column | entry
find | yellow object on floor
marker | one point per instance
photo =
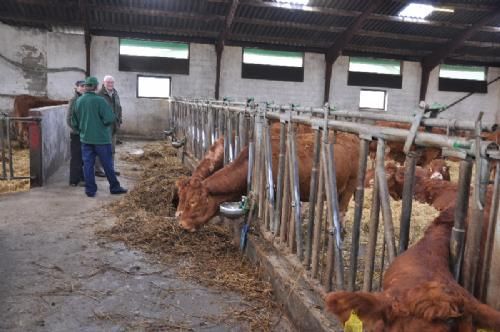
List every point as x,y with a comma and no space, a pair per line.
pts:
353,324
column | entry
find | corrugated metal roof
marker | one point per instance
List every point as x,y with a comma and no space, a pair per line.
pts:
315,27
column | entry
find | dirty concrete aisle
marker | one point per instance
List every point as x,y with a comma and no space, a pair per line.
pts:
57,275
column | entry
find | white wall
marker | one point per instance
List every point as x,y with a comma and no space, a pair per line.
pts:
32,62
405,100
52,52
307,93
142,116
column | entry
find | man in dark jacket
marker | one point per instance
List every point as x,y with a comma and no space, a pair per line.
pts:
76,162
109,93
93,118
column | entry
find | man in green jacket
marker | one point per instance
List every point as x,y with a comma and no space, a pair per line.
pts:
93,118
109,93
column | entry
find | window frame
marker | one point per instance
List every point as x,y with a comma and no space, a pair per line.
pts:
153,64
267,72
386,94
375,80
155,76
447,84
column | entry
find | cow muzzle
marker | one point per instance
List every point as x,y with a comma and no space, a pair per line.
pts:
185,226
178,214
437,176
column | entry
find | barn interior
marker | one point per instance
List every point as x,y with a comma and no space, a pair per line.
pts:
180,68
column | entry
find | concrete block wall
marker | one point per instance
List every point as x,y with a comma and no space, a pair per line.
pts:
147,117
144,116
39,63
307,93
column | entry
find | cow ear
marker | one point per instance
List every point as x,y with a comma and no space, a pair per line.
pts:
369,307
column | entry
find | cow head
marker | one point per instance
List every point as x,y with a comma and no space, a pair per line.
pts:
381,313
198,206
181,185
438,169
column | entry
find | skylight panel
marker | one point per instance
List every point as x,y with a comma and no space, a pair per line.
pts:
420,11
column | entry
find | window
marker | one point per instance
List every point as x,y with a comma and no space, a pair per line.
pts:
154,56
373,99
153,87
462,78
272,65
384,73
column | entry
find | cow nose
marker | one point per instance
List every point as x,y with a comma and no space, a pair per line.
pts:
186,227
437,176
178,214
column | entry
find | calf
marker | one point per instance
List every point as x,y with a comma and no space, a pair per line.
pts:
419,292
229,183
22,106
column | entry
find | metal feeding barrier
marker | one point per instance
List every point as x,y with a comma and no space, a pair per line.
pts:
315,237
33,128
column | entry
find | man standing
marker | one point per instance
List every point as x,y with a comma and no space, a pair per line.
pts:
93,118
109,93
76,162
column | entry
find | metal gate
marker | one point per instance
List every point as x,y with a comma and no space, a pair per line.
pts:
7,170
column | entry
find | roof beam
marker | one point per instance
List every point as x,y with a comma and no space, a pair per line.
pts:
442,52
455,5
227,24
334,51
352,13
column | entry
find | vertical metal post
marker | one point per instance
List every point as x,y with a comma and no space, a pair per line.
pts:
372,238
285,212
269,174
318,222
3,122
313,193
385,202
9,147
229,136
237,139
492,223
458,232
358,211
474,230
281,175
36,162
408,189
294,173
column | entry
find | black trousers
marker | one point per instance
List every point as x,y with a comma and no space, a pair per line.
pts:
76,162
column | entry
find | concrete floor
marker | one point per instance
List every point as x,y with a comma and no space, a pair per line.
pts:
57,275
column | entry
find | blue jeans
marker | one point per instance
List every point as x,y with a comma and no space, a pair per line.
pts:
104,152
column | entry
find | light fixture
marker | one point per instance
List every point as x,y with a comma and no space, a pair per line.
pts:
294,2
421,11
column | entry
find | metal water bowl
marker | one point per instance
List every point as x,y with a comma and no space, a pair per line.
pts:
177,144
231,210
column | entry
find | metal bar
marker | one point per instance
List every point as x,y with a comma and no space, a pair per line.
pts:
358,211
229,135
385,201
281,174
285,211
372,238
317,223
237,139
294,172
457,240
313,193
474,230
9,147
269,173
406,207
2,146
492,223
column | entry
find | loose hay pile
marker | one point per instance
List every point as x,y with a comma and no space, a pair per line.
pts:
145,221
21,165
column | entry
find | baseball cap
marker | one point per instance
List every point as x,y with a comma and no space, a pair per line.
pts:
91,80
79,82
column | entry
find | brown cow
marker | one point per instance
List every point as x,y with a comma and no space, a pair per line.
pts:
419,292
22,106
438,169
211,162
230,182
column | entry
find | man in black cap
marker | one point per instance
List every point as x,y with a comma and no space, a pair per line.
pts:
76,162
93,118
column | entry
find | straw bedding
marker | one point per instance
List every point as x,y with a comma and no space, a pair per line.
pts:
145,220
21,164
